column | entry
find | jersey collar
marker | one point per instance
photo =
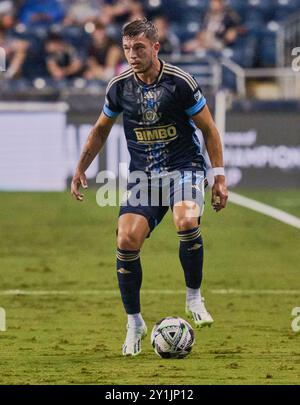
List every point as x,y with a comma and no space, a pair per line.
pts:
157,80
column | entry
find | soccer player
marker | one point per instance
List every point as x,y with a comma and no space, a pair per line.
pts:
162,105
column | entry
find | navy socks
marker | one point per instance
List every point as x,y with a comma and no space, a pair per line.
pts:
191,256
129,272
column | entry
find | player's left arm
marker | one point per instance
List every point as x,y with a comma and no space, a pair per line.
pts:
204,121
92,147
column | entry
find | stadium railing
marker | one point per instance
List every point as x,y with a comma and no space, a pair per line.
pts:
288,38
286,80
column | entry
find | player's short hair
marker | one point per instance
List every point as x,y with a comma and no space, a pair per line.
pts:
138,27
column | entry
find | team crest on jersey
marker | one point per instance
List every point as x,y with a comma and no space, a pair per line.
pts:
150,116
149,103
197,95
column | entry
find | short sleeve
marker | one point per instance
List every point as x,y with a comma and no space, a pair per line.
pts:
191,95
112,107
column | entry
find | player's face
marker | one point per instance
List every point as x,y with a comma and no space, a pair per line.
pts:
140,52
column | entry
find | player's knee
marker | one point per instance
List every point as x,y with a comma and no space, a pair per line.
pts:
128,240
184,224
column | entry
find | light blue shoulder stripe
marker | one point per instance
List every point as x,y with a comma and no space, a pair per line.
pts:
197,107
109,113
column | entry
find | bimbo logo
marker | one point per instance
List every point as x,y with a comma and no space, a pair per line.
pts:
163,133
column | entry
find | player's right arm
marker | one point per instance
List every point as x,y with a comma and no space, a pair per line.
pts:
92,147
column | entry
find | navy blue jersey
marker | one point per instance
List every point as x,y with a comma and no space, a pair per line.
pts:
160,133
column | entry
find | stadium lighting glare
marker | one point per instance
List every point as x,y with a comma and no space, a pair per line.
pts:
89,27
254,2
273,26
193,3
283,2
20,28
39,83
154,3
193,26
79,83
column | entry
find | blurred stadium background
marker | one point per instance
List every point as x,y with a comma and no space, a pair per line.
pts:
60,55
56,57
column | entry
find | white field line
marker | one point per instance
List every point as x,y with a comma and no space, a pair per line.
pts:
235,291
264,209
232,291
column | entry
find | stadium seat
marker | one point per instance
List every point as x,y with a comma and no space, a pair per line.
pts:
175,12
34,64
254,21
263,7
239,7
228,79
256,48
76,36
267,46
182,32
243,51
284,8
194,10
201,68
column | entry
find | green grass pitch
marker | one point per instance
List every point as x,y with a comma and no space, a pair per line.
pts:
49,242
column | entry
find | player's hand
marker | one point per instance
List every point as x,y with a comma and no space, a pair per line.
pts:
78,180
219,193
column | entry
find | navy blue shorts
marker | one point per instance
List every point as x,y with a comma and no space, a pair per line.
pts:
153,197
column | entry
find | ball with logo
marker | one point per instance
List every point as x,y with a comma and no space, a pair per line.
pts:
172,337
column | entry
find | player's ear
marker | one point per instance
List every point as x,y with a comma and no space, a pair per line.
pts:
156,46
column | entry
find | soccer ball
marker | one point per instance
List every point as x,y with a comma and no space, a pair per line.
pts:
172,337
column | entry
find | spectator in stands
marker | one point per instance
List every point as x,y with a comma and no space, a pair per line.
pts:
15,51
104,56
40,12
169,42
62,59
79,12
220,29
122,11
136,10
7,14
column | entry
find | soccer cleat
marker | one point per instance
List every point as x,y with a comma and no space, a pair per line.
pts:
199,314
132,345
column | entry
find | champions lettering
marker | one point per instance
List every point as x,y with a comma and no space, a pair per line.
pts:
157,134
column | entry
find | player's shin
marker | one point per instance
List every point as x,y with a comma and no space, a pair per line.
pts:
129,272
191,256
